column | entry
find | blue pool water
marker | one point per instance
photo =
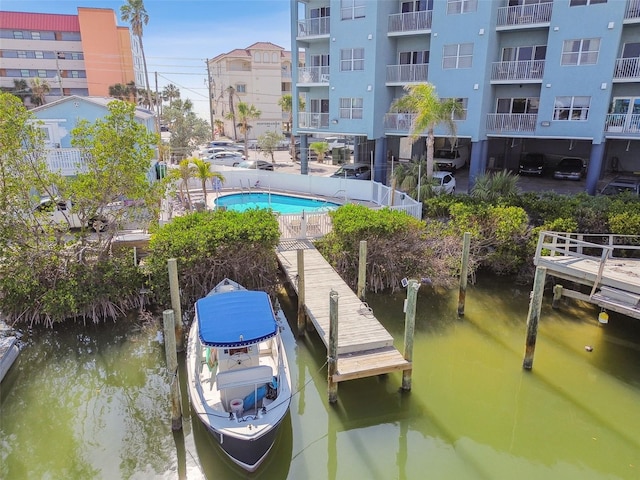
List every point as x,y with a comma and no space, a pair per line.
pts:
278,203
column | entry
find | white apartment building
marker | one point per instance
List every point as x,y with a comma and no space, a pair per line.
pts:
258,75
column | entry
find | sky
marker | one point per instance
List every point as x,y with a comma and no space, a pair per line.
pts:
182,34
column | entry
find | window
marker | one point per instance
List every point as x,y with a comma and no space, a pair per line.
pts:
76,56
414,58
18,34
256,57
577,3
535,52
24,73
351,108
459,55
461,6
274,57
352,59
571,108
42,73
241,88
463,103
35,35
580,51
518,105
22,54
351,9
416,6
39,54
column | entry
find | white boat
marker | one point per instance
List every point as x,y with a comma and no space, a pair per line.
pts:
238,376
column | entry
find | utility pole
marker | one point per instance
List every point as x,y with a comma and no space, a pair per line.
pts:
213,133
157,107
58,54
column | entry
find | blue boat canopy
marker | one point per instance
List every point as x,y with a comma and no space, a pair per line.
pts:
235,318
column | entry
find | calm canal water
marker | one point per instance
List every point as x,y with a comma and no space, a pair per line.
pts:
94,403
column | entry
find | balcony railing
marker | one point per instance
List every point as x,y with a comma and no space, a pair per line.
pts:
409,22
622,123
313,27
633,9
398,122
313,75
511,122
66,161
517,70
627,68
313,120
407,73
524,14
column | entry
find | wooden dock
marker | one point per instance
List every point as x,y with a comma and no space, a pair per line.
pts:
609,264
365,348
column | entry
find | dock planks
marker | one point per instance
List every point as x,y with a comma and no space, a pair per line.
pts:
365,348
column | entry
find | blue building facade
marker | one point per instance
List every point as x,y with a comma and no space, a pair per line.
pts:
559,77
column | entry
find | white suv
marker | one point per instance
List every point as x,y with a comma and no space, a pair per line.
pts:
451,159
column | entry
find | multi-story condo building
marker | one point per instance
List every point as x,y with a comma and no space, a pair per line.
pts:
258,75
76,54
559,77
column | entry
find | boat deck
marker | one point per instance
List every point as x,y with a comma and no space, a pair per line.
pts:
365,348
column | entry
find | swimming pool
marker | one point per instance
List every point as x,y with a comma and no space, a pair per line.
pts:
277,202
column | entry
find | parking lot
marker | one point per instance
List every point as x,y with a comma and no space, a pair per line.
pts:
527,183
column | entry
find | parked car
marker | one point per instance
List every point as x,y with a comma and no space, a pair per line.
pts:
532,164
357,171
62,212
311,154
622,184
569,168
451,159
339,142
443,182
257,164
226,158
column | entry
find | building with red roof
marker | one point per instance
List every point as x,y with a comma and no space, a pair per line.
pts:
79,54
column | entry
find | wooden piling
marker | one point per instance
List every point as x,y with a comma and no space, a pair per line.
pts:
362,270
535,306
409,329
168,322
332,359
557,296
301,314
174,288
464,272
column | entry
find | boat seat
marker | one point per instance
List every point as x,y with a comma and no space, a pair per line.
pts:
240,383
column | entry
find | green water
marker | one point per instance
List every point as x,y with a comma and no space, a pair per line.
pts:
95,404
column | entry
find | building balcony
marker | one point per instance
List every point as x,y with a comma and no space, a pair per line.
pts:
403,74
632,12
313,28
398,122
524,16
511,122
313,75
623,123
517,71
65,161
313,120
410,23
627,70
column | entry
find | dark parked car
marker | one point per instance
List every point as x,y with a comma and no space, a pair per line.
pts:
357,171
532,164
569,168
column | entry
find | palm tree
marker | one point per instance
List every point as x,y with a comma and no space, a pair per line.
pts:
134,12
185,172
20,89
232,112
132,91
170,92
119,91
39,88
429,111
219,126
203,172
286,103
246,113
